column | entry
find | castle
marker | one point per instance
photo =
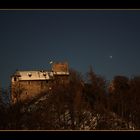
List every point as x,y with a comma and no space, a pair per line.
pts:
25,85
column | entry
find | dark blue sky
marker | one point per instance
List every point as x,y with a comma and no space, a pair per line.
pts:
30,39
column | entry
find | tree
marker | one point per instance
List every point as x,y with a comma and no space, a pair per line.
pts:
96,95
134,101
119,95
96,89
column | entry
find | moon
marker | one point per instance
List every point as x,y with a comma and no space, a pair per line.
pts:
110,56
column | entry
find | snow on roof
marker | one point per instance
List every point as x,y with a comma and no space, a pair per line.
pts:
33,75
37,75
61,73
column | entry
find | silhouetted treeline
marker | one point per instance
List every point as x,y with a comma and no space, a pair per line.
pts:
78,105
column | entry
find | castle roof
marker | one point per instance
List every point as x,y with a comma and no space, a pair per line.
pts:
33,75
37,75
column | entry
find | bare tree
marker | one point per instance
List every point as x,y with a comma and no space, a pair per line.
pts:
120,93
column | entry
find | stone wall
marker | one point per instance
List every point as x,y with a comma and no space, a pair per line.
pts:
60,67
25,90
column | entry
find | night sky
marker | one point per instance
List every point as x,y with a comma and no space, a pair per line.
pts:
109,40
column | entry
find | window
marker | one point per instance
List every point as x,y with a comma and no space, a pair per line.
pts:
44,74
15,79
29,82
29,74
